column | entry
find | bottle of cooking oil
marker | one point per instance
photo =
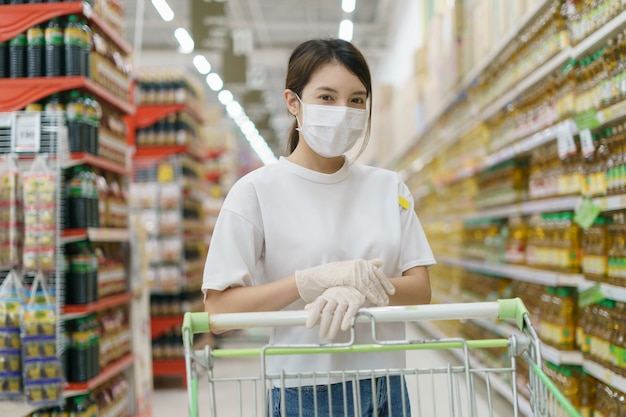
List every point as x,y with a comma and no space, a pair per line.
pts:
617,251
587,393
595,250
564,318
571,233
548,331
600,348
583,324
618,340
516,242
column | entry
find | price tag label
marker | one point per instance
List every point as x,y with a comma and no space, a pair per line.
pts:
6,120
590,296
586,214
26,134
565,142
586,143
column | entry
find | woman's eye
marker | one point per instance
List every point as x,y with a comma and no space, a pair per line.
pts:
358,100
326,98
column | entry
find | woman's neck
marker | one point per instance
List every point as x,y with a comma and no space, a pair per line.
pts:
315,162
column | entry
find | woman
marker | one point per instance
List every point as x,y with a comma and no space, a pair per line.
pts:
318,232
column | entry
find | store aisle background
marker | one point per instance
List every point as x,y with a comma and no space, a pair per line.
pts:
435,397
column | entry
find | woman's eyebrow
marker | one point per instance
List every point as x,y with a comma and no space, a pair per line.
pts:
332,90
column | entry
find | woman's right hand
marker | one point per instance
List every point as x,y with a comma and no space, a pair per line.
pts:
365,276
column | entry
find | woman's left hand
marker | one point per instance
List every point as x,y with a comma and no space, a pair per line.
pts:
335,307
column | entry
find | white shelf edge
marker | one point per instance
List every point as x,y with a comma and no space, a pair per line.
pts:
519,273
610,292
108,234
500,386
559,357
599,36
605,375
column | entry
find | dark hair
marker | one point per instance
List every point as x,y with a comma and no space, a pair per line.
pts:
309,56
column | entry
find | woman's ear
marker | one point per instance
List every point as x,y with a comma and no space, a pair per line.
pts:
293,105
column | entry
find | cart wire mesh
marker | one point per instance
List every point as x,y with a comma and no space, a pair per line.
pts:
239,384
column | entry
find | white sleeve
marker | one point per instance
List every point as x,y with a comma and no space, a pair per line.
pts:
236,246
415,250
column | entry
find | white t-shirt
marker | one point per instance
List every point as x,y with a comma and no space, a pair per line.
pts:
283,217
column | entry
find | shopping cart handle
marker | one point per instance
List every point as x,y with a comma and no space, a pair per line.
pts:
501,309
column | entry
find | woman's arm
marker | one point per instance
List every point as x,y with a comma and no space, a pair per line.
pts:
412,288
272,296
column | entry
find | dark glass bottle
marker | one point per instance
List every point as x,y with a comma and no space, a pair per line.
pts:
53,48
17,56
35,51
73,43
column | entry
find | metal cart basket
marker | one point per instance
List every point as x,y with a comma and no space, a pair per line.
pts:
247,394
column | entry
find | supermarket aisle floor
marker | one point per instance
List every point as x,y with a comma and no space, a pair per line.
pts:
434,392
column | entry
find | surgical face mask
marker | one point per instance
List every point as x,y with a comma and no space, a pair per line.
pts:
332,131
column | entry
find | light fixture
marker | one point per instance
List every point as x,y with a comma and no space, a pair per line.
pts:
346,29
184,40
225,97
164,9
214,81
234,109
202,64
348,6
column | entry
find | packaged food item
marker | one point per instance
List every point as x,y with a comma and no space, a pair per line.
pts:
41,366
39,196
10,213
11,307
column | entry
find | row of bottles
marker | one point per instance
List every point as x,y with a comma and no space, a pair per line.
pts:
81,273
83,349
175,129
82,196
82,113
59,47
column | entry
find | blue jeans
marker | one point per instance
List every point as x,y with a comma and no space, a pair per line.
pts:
389,402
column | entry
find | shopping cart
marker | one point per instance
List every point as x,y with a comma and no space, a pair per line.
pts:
246,394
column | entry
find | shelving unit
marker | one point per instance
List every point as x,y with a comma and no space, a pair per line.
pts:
19,92
496,117
170,166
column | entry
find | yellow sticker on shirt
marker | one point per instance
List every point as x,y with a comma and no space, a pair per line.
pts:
404,203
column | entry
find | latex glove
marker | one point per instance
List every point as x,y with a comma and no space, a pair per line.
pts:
336,306
363,275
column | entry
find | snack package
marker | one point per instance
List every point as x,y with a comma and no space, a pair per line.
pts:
11,308
40,206
41,367
10,213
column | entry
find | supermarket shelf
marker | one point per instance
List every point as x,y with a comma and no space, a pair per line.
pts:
565,357
80,158
115,37
519,273
610,292
16,409
451,136
95,235
159,151
19,92
79,388
605,375
149,114
496,382
159,325
17,18
103,304
169,367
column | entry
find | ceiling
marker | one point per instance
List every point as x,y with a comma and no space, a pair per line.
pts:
275,27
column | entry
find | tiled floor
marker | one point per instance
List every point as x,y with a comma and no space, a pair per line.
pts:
439,396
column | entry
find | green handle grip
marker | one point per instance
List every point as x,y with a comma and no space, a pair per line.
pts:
195,323
513,308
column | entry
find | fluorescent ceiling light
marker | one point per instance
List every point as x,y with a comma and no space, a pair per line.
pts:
184,40
214,81
225,97
346,29
348,5
202,64
164,9
234,109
